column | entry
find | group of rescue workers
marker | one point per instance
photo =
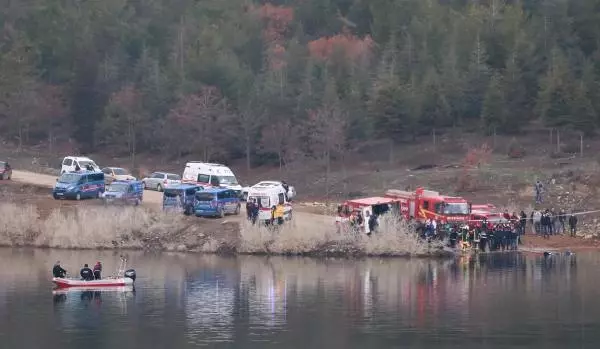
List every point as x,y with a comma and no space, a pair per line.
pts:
86,273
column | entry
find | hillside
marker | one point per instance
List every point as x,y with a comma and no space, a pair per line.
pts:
283,81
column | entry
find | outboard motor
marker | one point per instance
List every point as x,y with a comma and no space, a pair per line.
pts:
130,273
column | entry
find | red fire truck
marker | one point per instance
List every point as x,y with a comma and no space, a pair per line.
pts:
488,212
427,204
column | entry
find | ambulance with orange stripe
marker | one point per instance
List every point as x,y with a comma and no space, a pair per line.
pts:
422,205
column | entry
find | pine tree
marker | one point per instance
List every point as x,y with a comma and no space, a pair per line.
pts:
493,113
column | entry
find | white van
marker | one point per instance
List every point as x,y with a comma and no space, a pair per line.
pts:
267,195
74,163
210,175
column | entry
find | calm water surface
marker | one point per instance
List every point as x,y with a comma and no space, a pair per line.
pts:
187,301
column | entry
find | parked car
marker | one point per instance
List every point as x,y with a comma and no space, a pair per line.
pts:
124,193
180,198
216,202
78,163
5,170
79,185
116,174
160,180
291,193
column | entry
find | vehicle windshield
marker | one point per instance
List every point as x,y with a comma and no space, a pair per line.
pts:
69,178
118,187
205,196
119,171
174,177
171,193
456,208
262,201
85,163
227,180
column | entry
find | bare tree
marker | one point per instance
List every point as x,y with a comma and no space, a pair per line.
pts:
203,114
125,109
54,111
327,136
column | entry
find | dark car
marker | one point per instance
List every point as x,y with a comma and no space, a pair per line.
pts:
5,170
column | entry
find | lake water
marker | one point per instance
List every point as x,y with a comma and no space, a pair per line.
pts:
186,301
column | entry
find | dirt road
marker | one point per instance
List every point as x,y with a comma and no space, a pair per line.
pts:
152,199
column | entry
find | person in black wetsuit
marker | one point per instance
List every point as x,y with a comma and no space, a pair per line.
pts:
86,273
58,271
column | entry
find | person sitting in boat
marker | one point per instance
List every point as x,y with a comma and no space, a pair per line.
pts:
86,273
58,271
97,270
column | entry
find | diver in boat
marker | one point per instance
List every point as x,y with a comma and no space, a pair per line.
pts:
86,273
97,270
58,271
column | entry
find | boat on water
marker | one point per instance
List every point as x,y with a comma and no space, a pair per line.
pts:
124,278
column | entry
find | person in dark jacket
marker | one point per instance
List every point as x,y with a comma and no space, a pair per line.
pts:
249,209
573,224
58,271
86,273
562,218
255,209
98,271
372,223
523,222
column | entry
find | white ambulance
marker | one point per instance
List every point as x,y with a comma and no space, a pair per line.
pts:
267,195
210,175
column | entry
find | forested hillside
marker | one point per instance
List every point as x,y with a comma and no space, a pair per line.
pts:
225,79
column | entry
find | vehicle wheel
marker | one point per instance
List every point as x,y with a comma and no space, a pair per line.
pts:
187,211
10,176
221,213
137,202
237,209
145,186
55,197
78,196
159,188
98,194
2,177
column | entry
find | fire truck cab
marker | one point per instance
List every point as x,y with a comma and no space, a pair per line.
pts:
424,204
488,212
366,206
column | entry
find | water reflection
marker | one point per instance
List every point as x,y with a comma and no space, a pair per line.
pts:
183,301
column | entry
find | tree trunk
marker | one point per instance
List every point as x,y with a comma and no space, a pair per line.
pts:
50,139
327,172
247,152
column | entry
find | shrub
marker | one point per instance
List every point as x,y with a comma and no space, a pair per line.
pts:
515,149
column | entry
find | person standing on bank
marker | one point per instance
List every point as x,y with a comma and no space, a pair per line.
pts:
573,224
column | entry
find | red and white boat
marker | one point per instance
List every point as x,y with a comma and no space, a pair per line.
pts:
108,282
124,278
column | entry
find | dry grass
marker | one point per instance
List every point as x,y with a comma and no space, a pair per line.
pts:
393,238
86,227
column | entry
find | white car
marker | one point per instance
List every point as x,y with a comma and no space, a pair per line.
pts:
160,180
291,190
77,163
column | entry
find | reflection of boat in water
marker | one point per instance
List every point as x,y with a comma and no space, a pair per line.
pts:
65,291
124,278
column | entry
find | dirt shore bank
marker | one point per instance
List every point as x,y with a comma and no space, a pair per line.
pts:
36,219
